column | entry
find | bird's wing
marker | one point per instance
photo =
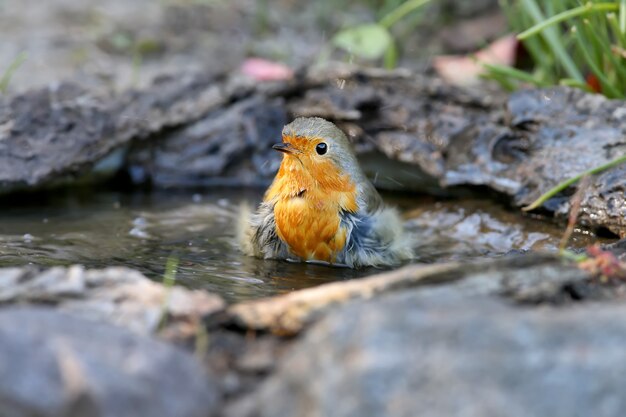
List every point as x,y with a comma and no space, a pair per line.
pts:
258,235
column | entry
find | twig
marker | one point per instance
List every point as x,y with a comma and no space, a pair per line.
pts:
575,202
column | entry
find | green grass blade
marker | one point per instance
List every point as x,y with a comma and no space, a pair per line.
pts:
543,24
607,88
553,39
401,11
617,67
614,24
622,16
514,73
8,73
568,82
564,184
506,83
391,56
169,279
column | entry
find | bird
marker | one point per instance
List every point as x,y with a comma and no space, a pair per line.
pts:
321,207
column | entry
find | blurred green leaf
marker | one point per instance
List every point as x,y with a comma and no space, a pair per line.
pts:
369,41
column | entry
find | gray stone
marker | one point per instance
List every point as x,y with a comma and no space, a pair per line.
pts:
412,354
49,133
55,364
532,278
117,295
228,146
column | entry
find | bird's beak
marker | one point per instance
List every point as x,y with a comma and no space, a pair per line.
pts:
284,147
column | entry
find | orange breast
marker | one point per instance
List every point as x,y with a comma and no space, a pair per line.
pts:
308,198
311,228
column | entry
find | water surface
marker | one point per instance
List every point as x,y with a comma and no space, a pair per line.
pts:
142,230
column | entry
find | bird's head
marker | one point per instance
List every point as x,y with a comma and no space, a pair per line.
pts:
317,147
319,158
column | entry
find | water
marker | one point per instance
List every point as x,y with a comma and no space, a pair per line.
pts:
142,231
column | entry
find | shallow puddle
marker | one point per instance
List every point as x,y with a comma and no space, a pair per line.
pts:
142,231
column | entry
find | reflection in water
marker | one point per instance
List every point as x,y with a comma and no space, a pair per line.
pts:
142,230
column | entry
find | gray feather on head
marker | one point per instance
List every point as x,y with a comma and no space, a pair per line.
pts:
339,148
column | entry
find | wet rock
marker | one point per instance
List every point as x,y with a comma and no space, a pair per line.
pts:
549,136
406,117
63,365
227,146
366,346
50,133
412,354
532,278
117,295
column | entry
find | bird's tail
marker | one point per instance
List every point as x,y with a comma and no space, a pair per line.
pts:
244,229
401,243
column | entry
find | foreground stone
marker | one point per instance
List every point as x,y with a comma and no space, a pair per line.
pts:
354,346
531,278
56,364
326,347
410,353
116,295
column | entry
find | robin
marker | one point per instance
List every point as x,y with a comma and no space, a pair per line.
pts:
321,207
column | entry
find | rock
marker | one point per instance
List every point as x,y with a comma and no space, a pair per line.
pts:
49,133
530,278
247,341
118,295
227,146
57,364
410,354
550,136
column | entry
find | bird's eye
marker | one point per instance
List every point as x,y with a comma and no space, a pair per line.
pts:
321,148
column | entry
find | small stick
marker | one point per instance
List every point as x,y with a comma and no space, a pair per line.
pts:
575,202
